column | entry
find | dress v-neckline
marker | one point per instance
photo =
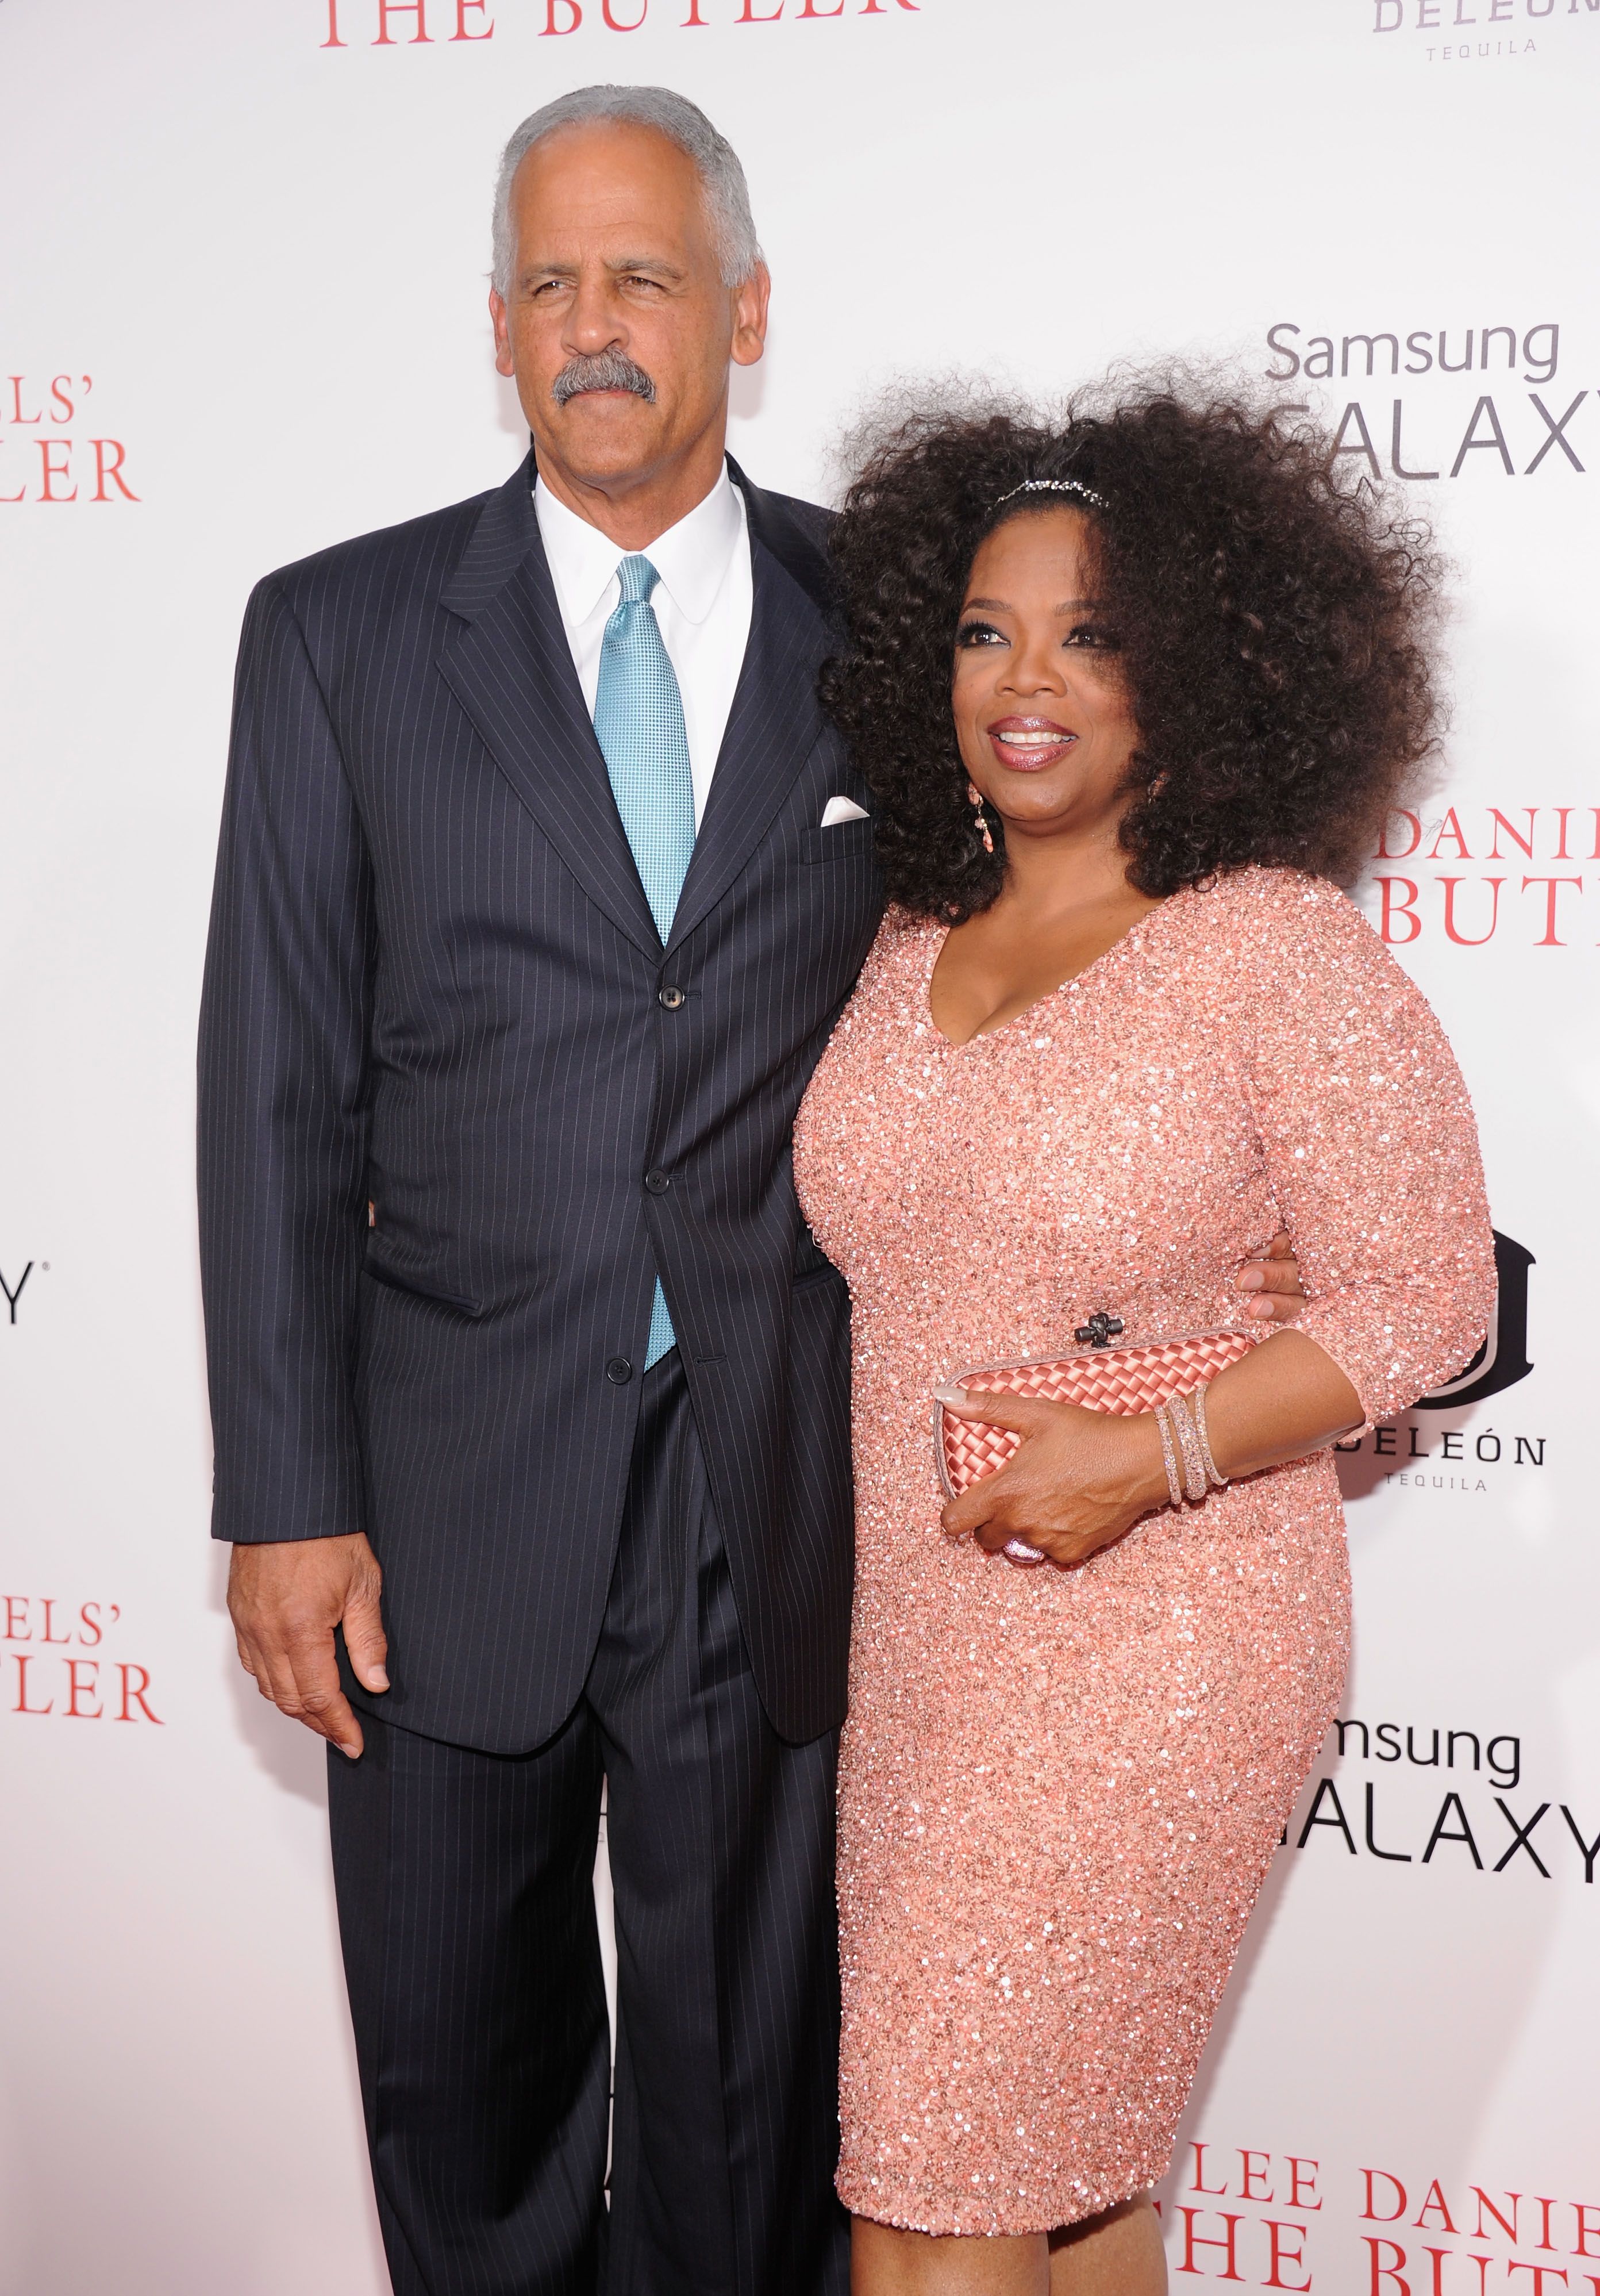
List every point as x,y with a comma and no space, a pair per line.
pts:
939,934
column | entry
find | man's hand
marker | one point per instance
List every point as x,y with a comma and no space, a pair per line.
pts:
285,1601
1272,1278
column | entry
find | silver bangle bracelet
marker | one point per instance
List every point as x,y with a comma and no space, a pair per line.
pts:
1188,1443
1169,1456
1218,1482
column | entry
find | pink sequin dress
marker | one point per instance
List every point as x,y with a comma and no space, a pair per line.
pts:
1059,1793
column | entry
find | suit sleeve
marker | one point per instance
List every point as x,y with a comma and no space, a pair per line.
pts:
283,1103
1371,1147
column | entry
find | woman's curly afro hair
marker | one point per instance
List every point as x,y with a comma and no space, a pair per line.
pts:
1275,628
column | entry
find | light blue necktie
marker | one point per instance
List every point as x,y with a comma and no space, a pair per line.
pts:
639,723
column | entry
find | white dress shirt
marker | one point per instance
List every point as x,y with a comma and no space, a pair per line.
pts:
703,603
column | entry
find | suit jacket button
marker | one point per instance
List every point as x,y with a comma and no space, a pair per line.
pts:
619,1371
670,997
658,1182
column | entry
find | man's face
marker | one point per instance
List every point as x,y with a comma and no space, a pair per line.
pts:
617,326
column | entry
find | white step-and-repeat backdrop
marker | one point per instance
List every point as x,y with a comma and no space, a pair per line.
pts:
245,250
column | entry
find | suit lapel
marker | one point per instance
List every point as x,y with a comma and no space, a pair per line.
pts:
511,667
776,719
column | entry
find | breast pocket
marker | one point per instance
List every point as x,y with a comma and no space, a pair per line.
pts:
846,841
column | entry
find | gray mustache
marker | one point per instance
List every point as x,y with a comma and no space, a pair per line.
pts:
606,371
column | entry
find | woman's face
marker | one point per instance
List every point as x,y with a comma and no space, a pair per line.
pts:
1041,707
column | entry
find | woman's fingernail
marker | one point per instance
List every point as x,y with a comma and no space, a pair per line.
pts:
1251,1279
955,1395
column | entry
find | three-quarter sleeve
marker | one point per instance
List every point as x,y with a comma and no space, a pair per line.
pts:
1369,1142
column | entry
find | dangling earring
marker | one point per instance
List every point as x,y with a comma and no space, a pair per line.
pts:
974,796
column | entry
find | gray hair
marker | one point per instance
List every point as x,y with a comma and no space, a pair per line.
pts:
682,123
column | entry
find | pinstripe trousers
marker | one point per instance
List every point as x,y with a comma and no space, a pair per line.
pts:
472,1958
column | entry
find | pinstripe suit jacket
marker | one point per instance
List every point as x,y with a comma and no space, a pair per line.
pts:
434,988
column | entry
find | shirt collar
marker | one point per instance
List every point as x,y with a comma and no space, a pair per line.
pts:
692,558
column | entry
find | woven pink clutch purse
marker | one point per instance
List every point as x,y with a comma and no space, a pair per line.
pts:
1101,1378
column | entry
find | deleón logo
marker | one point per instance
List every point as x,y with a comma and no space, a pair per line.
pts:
43,458
1488,25
408,23
1541,907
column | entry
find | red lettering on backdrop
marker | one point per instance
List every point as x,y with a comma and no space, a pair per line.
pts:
1247,2175
1562,814
16,1609
1192,2240
17,414
749,19
1550,939
474,7
1217,2192
1390,2271
552,28
22,1706
1439,2255
1435,2199
388,8
47,1604
1396,911
872,8
694,21
47,448
1595,855
1544,2207
1467,940
77,1689
1507,2225
1449,827
809,11
63,399
1584,2210
134,1693
1541,2273
1376,2215
333,40
614,26
1405,851
1515,835
1297,2199
1282,2255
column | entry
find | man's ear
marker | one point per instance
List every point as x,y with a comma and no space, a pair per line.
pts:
502,333
750,302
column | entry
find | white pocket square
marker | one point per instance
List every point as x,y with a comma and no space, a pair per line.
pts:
841,808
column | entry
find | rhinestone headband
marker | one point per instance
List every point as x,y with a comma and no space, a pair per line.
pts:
1056,487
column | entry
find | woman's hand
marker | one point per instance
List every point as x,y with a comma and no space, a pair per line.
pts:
1082,1478
1080,1481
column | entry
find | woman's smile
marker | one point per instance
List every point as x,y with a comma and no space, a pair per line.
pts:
1026,745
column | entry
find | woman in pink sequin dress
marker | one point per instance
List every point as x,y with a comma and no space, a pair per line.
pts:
1092,1070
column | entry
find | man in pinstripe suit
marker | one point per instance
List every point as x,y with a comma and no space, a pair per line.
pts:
465,1104
540,881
